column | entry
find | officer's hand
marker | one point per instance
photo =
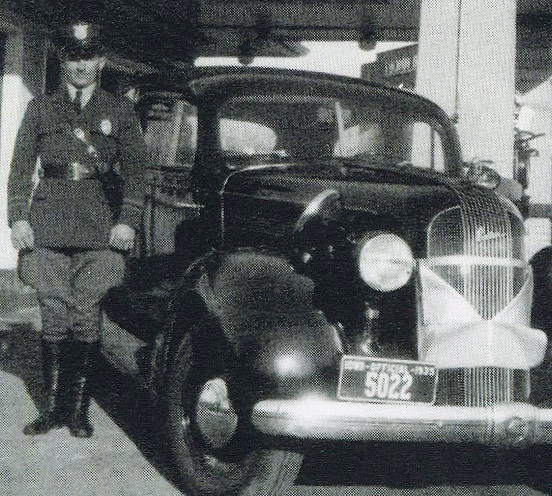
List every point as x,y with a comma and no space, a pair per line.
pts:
22,236
122,237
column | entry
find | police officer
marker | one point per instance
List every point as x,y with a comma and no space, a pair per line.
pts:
78,136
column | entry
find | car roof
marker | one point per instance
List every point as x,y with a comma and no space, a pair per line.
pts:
198,81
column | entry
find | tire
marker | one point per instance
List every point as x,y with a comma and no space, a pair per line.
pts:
213,450
541,264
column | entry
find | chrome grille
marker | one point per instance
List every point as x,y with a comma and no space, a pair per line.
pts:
482,386
477,247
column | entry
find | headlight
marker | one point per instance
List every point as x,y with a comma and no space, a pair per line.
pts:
385,262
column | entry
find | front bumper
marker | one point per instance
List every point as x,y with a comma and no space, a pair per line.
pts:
510,424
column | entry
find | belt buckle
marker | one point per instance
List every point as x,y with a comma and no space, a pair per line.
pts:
75,171
78,171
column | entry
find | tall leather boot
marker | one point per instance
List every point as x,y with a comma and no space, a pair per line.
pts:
83,356
52,417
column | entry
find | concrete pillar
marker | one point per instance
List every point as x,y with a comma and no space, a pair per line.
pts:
466,64
23,78
539,100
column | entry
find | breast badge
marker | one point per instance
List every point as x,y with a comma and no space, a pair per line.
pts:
106,127
79,133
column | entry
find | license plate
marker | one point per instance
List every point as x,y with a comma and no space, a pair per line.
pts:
386,381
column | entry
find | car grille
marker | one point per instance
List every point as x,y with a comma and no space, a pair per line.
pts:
477,248
482,386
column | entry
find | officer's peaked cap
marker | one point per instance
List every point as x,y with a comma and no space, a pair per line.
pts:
80,39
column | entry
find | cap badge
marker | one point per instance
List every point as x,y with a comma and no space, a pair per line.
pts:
105,126
80,31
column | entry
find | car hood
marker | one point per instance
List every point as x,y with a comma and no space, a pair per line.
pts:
268,200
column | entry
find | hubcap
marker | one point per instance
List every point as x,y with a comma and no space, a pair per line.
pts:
215,416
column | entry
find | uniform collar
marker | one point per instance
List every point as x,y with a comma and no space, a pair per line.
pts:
86,93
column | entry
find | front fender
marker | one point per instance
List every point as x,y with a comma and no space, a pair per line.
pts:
263,309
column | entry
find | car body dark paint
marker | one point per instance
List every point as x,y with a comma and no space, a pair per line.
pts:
265,308
262,206
251,214
253,295
265,294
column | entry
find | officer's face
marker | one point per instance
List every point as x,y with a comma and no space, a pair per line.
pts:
83,72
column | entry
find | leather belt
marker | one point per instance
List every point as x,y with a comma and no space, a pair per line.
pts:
74,171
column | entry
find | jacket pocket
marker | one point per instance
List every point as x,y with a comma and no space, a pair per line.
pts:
56,144
51,219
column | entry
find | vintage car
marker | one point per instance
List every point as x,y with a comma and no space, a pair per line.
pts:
317,266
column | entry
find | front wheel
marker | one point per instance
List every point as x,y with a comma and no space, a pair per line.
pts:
214,450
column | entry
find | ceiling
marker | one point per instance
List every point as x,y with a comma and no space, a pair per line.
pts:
180,30
176,31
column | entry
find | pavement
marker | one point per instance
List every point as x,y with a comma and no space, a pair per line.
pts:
111,463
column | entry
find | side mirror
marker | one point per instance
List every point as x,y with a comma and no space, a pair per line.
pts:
315,229
479,172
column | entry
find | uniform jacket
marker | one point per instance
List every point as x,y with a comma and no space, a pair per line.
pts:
67,213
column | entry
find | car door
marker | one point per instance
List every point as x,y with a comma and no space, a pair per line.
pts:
170,130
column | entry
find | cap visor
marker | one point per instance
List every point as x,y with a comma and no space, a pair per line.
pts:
87,52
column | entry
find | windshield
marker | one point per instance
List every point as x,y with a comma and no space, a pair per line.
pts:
290,127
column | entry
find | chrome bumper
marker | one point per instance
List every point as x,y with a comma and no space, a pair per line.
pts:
511,424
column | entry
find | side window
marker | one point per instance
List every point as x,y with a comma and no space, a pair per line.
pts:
170,131
427,150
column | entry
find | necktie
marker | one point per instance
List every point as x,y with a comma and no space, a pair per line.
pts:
77,102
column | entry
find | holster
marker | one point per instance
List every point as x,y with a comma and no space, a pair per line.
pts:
112,185
27,269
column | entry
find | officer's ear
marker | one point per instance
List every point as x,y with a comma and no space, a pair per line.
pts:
102,62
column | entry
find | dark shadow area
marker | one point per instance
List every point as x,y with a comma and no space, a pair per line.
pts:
141,303
132,408
411,466
20,355
541,317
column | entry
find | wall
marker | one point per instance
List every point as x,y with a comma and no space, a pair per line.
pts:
23,77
